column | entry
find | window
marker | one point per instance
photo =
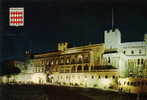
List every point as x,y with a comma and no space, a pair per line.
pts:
142,61
132,52
86,58
138,83
67,61
128,83
108,59
80,59
134,83
52,62
106,76
139,51
86,68
99,76
62,61
92,77
73,69
113,77
79,67
142,83
73,61
124,52
56,61
124,83
138,61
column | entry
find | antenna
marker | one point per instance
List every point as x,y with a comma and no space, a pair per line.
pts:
30,46
112,18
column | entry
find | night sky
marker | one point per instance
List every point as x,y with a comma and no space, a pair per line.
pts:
78,22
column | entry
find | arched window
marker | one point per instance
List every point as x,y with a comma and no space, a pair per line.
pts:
99,76
138,61
86,68
56,61
139,51
108,59
106,76
113,77
80,60
132,52
52,62
73,61
142,61
79,68
73,69
85,58
67,61
124,52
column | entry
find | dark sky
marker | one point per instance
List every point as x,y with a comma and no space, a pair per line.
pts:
78,22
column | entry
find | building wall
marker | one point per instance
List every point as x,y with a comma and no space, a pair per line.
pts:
112,39
102,79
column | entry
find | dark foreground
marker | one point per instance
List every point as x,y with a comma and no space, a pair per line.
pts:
38,92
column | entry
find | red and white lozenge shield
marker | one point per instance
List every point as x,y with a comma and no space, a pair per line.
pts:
16,16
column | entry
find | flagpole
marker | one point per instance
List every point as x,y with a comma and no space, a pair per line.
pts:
112,18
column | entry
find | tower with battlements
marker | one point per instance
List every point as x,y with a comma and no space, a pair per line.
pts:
112,39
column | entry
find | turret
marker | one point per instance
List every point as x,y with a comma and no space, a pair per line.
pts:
112,39
62,46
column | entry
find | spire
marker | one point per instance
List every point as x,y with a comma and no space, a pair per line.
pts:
112,18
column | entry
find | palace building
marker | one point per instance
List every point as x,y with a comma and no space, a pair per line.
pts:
94,65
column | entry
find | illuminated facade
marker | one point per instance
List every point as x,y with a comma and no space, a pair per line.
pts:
110,65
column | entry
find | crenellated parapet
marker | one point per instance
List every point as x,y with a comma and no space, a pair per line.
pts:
62,46
112,39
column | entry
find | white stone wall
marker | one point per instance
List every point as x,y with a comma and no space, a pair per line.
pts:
133,48
112,39
114,59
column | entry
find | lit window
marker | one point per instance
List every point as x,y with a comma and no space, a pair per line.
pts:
67,61
62,61
56,61
52,62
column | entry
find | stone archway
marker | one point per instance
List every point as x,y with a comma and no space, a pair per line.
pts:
79,69
79,59
73,69
73,59
86,68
